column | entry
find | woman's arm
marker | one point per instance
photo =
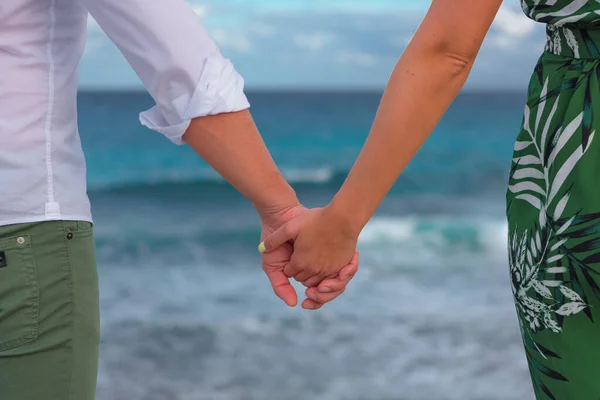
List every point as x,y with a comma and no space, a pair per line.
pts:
427,78
424,83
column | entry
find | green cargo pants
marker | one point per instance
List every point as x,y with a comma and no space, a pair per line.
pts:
49,311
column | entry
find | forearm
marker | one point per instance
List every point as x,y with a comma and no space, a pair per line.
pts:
232,145
422,86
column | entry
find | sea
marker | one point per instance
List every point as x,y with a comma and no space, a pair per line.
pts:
188,314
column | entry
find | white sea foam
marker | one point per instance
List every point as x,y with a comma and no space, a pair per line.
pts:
417,240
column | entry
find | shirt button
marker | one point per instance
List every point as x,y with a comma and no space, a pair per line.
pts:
69,236
20,240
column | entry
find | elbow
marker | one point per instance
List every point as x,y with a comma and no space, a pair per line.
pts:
458,59
459,64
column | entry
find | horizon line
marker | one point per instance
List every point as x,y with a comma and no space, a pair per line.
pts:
311,90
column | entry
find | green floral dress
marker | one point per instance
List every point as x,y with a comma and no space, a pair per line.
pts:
553,205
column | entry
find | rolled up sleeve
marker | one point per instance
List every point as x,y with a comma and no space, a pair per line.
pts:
175,58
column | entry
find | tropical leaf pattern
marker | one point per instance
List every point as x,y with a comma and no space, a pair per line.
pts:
553,204
578,13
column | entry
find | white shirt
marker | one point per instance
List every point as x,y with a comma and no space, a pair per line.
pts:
42,167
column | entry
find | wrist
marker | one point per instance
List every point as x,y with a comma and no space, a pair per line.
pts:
282,205
343,218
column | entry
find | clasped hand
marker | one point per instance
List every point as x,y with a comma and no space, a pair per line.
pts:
312,248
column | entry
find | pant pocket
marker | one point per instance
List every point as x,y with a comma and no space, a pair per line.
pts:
19,292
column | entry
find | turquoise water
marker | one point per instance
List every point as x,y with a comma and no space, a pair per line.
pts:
188,314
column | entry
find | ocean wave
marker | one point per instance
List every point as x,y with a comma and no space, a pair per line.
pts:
406,229
311,176
386,241
418,240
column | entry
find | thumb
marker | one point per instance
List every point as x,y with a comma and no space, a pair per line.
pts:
285,233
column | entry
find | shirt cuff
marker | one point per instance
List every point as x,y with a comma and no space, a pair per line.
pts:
220,89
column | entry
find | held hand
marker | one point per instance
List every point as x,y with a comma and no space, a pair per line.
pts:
322,246
275,261
330,289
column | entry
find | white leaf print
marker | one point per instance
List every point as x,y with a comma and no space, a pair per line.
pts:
550,323
522,145
590,140
554,259
522,248
556,42
541,106
533,325
564,136
571,8
534,201
567,167
560,207
531,270
538,241
570,294
570,20
542,218
526,186
529,257
548,120
535,250
542,290
571,41
526,121
570,308
565,226
556,270
528,160
552,283
525,173
532,305
563,172
558,244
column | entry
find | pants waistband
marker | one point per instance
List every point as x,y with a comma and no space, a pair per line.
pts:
572,42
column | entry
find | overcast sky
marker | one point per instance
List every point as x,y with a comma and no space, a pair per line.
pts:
327,44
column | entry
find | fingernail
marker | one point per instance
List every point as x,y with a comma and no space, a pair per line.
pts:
326,289
261,247
312,296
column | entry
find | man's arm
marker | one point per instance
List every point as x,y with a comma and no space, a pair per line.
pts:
199,96
231,144
199,100
174,57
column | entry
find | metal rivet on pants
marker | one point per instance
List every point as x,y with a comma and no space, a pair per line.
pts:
69,236
20,240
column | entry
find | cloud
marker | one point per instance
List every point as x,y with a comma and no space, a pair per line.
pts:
95,37
510,27
200,10
231,39
358,58
92,45
313,41
92,24
330,43
262,29
513,23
